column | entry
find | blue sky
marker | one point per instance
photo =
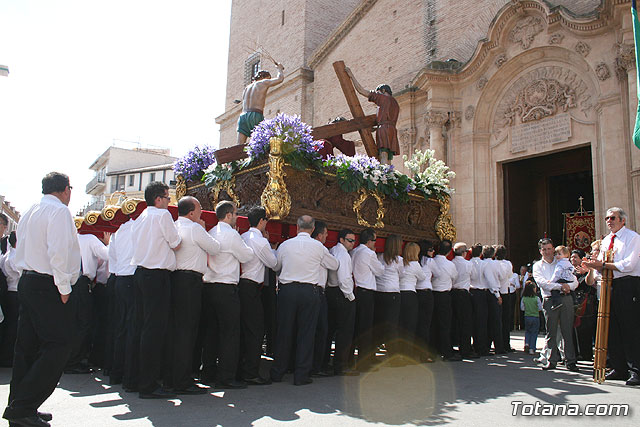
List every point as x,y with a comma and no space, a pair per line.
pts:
85,74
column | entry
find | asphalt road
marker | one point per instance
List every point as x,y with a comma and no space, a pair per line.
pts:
478,392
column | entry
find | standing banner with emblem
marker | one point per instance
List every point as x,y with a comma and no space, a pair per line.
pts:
580,229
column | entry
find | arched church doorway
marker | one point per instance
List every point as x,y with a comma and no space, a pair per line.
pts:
537,191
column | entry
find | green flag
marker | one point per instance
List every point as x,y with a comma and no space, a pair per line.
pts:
636,35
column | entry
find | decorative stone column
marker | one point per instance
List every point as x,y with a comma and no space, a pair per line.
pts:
435,120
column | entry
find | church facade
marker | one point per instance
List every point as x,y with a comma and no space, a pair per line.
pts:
532,103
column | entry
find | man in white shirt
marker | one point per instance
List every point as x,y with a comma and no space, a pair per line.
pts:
92,251
479,298
11,304
320,233
154,237
48,256
444,274
624,333
491,271
506,295
341,305
461,301
299,262
366,267
186,294
124,367
250,291
563,316
220,293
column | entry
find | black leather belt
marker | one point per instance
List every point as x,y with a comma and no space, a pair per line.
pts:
35,273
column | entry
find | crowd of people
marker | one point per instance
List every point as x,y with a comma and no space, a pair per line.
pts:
164,306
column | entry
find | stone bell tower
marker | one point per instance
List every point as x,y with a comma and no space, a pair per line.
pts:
289,31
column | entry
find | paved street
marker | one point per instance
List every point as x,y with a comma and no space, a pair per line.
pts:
476,392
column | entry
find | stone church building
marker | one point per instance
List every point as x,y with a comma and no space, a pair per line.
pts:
531,102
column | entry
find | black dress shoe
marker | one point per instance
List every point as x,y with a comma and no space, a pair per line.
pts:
79,370
549,366
115,380
303,382
471,356
453,358
129,389
616,375
32,421
158,394
634,379
192,389
257,381
231,384
572,367
45,416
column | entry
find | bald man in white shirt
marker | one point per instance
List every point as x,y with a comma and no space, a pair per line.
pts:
48,256
186,294
299,262
155,236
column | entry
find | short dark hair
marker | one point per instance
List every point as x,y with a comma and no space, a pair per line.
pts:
319,227
223,208
425,247
384,88
344,232
256,214
154,189
4,219
54,182
261,74
185,205
501,252
367,235
13,239
488,251
544,241
579,252
445,247
476,250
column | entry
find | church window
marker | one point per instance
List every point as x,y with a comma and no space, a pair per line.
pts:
251,67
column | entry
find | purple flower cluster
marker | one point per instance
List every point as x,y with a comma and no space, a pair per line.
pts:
295,134
194,163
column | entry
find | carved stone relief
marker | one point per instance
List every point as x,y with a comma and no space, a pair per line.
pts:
406,139
556,38
541,93
602,71
482,83
436,118
469,112
582,48
625,59
500,60
526,30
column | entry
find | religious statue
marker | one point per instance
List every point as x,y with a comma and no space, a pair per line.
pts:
337,141
387,116
253,99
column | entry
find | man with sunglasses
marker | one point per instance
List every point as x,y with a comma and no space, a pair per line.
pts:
154,236
48,257
341,304
624,334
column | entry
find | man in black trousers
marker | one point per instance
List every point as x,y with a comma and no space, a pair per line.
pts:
299,262
186,295
154,238
45,325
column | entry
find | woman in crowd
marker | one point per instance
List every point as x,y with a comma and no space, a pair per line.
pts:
411,274
425,302
387,300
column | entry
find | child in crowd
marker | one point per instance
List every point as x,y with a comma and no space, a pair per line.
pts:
531,305
563,273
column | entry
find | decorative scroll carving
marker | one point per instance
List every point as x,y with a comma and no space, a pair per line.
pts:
469,112
129,206
582,48
526,30
109,212
364,195
501,59
541,93
625,59
92,217
181,187
482,82
436,118
602,71
226,187
444,225
78,222
406,138
556,38
275,198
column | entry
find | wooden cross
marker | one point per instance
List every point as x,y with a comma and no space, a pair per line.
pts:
361,123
